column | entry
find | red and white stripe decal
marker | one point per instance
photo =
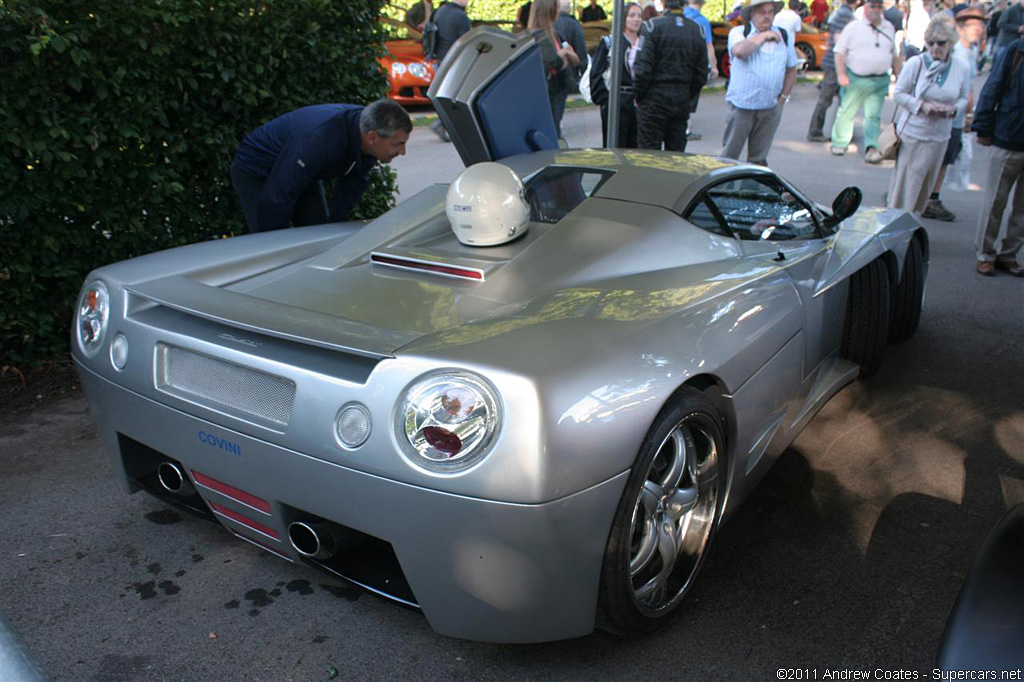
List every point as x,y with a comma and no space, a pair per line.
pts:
235,494
409,264
244,520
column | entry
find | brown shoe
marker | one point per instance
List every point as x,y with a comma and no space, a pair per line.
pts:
1011,266
986,268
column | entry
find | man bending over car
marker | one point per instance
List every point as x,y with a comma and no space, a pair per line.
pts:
280,167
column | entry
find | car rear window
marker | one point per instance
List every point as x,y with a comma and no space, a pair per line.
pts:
555,192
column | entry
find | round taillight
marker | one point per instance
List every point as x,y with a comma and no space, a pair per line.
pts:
91,317
447,421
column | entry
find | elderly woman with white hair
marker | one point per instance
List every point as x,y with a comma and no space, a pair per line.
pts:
931,89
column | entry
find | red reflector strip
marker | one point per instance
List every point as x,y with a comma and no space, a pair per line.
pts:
245,521
465,273
232,492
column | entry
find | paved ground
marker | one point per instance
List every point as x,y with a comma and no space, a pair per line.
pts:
849,554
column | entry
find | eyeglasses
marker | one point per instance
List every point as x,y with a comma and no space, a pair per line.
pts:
937,43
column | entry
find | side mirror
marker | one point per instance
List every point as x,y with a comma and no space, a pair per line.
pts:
847,203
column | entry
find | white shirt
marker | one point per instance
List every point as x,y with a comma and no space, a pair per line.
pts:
755,82
868,50
789,20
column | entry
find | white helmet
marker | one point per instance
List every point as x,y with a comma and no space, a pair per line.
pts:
486,205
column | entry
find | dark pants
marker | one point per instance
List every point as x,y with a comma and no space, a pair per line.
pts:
627,126
558,110
829,91
662,118
310,209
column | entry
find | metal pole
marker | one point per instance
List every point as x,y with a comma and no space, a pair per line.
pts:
615,64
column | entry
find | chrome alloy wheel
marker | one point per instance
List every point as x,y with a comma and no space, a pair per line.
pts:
673,516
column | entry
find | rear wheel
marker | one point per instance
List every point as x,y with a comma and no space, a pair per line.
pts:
867,317
666,518
908,297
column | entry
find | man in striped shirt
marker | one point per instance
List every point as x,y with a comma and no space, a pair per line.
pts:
763,71
829,82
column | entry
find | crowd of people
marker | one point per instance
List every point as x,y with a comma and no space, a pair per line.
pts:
932,52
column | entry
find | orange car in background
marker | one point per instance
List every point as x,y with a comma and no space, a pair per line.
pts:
409,74
811,46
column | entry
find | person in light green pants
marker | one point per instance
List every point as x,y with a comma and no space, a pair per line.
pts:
864,54
869,92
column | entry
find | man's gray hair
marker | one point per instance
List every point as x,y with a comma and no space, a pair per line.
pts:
384,117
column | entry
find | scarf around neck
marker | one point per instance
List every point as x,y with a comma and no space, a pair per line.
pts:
936,73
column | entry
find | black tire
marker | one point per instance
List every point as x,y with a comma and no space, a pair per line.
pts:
908,297
808,53
724,65
867,317
670,508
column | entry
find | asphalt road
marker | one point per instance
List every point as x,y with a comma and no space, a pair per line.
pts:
848,556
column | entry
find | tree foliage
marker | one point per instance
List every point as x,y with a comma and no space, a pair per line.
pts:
119,121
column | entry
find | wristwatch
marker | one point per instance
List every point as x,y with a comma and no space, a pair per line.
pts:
784,97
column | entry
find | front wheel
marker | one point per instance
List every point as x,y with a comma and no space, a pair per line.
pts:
807,52
723,65
666,518
867,317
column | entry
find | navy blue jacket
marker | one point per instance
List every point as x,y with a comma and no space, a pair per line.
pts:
302,147
452,23
999,113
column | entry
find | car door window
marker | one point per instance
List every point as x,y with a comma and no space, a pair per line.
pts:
762,208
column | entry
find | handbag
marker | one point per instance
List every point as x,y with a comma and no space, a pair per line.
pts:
891,146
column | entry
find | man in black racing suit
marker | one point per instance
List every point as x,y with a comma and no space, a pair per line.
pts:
671,68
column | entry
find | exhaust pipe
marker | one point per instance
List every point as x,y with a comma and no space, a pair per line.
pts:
174,480
312,540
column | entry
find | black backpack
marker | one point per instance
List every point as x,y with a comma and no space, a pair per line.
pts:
785,36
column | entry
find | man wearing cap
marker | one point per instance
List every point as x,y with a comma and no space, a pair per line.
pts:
829,86
971,24
864,54
670,69
279,168
763,70
999,123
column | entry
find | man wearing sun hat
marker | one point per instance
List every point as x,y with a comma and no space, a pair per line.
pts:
763,71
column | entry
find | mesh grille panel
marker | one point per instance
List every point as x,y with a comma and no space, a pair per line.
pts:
208,381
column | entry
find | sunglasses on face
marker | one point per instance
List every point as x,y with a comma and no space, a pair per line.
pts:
937,43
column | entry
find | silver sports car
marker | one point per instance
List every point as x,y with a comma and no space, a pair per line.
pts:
523,441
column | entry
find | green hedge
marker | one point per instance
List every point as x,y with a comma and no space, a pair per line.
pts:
119,121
